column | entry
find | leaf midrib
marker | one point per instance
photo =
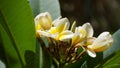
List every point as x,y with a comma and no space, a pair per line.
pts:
9,33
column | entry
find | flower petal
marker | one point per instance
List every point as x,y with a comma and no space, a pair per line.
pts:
53,30
81,31
75,38
65,35
61,24
90,40
79,35
47,34
103,41
91,53
89,29
43,21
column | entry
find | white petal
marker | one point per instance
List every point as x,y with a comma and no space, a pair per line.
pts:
43,20
76,38
65,35
103,41
91,53
90,40
81,31
44,33
47,34
89,29
61,24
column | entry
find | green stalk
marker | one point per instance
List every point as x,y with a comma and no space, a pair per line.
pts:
61,65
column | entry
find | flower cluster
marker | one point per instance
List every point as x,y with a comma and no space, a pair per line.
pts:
67,41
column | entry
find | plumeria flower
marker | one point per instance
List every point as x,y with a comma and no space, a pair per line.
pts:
99,44
43,22
82,32
57,29
66,42
90,43
81,36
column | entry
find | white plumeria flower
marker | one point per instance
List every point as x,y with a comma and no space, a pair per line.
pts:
65,35
58,30
60,25
100,44
43,21
84,37
82,32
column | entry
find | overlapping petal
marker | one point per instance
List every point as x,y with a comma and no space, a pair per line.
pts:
47,34
89,29
65,35
57,29
75,39
43,21
61,24
103,41
82,32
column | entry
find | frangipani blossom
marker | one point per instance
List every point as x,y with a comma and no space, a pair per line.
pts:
43,21
100,44
60,25
66,42
83,37
82,32
65,35
57,29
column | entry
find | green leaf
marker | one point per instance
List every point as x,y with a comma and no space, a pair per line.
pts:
84,65
113,62
9,55
17,31
115,46
92,62
51,6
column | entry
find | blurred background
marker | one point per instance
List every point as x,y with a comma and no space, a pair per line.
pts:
104,15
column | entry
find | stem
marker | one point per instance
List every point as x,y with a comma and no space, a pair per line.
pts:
61,65
79,56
